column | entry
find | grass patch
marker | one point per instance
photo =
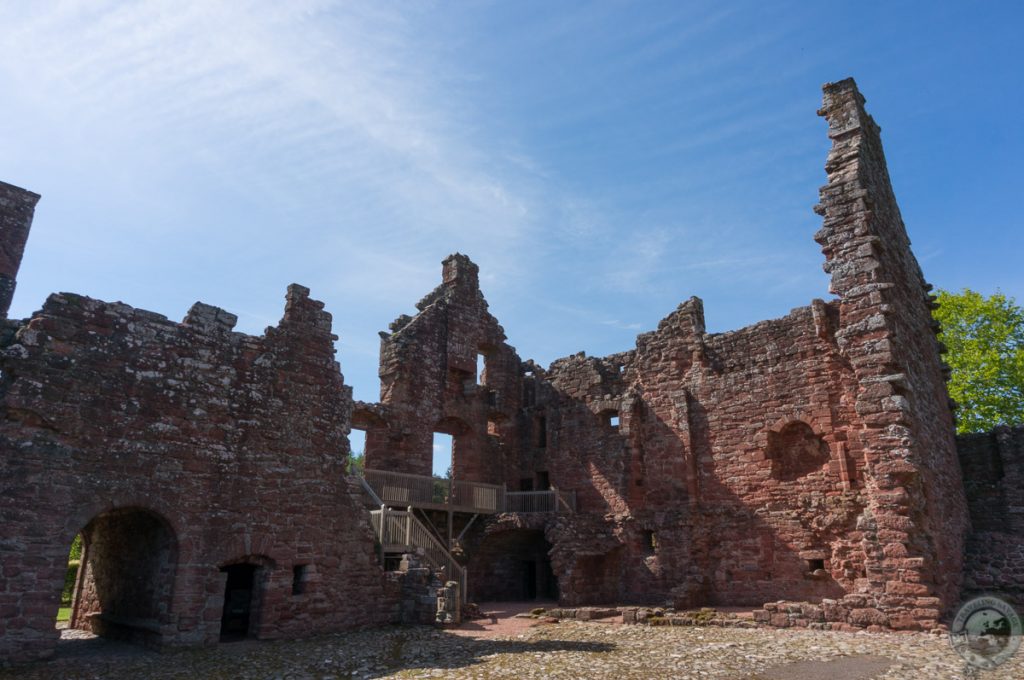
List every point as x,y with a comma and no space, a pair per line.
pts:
64,614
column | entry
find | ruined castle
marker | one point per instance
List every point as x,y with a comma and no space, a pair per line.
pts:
809,459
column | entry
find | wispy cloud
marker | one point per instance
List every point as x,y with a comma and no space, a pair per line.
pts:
575,152
288,100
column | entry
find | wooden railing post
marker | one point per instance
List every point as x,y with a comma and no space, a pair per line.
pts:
408,526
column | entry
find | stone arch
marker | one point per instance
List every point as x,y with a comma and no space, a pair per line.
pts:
795,450
126,582
96,506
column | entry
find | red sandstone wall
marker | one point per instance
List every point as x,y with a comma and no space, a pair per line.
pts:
804,458
760,523
689,460
238,443
428,384
917,516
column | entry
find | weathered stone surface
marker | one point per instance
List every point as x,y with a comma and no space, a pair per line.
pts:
804,465
805,458
177,449
16,209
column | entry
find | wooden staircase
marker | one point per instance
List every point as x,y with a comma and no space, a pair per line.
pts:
394,497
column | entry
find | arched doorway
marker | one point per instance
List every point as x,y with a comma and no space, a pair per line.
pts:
126,580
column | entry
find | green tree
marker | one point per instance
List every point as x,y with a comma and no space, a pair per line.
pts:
356,463
985,339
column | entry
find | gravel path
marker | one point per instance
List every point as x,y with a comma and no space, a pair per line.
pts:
563,650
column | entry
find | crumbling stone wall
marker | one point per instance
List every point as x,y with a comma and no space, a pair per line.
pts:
17,207
236,444
993,466
916,524
807,458
429,384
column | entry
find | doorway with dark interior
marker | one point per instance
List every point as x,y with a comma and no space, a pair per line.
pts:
513,566
237,619
122,585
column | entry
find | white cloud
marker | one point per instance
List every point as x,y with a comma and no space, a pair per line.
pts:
286,101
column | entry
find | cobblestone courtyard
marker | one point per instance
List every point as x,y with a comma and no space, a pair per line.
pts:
563,650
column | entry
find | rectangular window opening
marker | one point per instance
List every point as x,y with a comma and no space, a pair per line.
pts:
650,542
357,447
299,579
543,483
815,565
481,368
442,454
540,432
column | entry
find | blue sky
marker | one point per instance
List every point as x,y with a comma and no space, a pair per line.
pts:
601,162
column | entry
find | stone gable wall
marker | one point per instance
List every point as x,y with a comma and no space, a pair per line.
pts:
916,523
236,443
429,384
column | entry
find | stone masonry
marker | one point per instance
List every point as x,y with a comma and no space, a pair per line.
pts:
809,459
16,209
179,449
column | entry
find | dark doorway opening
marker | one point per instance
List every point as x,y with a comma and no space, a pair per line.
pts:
513,566
238,597
530,580
124,583
538,580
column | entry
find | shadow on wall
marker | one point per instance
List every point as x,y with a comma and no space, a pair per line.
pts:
756,554
512,566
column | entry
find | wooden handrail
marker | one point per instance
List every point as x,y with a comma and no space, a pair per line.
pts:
421,491
403,528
